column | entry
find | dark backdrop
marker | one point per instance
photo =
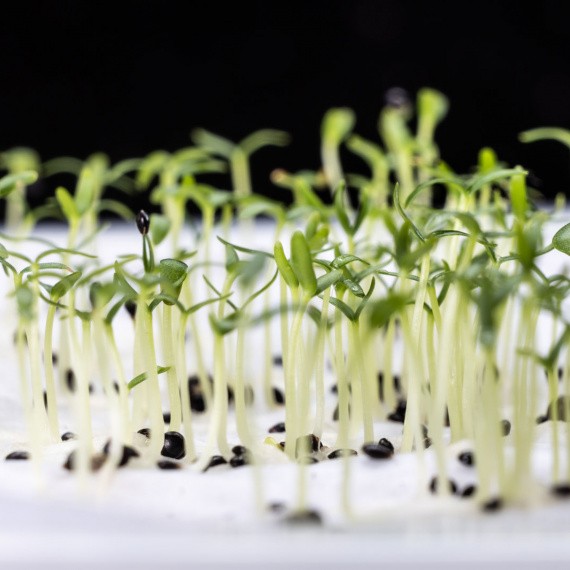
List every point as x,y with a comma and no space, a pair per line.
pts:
131,77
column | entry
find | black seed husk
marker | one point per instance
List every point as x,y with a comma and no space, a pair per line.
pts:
434,483
174,445
307,443
131,308
96,461
278,396
399,414
145,431
386,443
240,460
276,507
166,417
469,491
143,222
505,427
561,403
561,490
168,465
277,428
239,450
215,460
17,456
492,505
337,453
307,460
377,451
396,97
305,517
278,360
467,458
127,453
67,436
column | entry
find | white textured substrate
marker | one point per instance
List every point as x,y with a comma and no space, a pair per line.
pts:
143,517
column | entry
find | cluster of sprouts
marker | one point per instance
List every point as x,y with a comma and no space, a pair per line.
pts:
428,316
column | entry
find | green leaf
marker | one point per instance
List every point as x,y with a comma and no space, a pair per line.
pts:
502,174
232,258
383,310
545,133
173,272
159,228
561,239
341,207
67,204
519,201
9,183
85,193
302,263
64,285
337,125
343,308
328,279
284,266
143,376
405,216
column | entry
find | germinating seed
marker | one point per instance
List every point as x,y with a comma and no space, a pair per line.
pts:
377,451
174,445
337,453
143,222
17,455
277,428
67,436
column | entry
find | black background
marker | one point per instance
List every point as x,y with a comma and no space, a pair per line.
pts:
131,77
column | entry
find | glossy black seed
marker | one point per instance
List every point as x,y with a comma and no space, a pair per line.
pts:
386,443
54,358
168,465
469,491
561,490
17,456
434,483
97,461
307,443
67,436
396,97
467,458
427,442
197,401
377,451
282,444
337,453
399,414
334,389
305,517
166,417
131,308
214,461
492,505
277,428
278,396
561,404
541,419
127,453
239,450
116,386
174,445
240,460
45,400
505,427
278,360
143,222
145,432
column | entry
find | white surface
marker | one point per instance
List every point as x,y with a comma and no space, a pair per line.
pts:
143,517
